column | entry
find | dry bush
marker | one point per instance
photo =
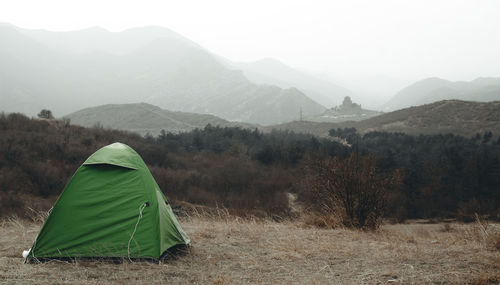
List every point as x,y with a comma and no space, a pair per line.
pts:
37,158
351,186
24,205
489,234
240,185
195,211
483,233
467,211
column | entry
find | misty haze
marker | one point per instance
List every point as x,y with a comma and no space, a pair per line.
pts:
223,142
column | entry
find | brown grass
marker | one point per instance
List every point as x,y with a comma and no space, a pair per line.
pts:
229,250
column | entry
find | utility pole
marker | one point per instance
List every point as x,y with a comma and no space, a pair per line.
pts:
301,113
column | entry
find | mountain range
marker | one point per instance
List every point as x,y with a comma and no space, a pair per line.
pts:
68,71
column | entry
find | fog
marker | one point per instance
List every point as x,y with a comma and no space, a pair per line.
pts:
370,47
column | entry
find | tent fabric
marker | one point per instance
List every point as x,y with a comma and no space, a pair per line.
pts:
111,207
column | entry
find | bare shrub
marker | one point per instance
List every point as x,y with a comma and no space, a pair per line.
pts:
490,236
240,185
484,233
353,186
466,211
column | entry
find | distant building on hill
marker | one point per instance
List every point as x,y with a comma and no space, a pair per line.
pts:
347,104
347,111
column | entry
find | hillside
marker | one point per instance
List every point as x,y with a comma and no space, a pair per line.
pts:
145,118
68,71
249,172
435,89
448,116
274,72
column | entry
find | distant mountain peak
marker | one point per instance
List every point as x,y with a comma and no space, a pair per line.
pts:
275,72
431,82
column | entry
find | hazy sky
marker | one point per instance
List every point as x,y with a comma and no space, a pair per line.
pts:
457,40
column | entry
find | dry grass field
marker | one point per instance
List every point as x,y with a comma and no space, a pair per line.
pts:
229,250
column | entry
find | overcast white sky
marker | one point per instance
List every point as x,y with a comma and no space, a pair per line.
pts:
452,39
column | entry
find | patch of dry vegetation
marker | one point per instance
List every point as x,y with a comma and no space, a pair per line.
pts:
230,250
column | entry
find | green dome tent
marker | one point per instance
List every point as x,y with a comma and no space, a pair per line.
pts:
111,207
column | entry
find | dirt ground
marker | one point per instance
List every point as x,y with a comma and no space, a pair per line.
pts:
234,251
